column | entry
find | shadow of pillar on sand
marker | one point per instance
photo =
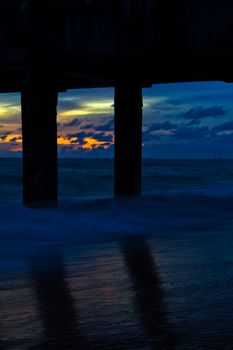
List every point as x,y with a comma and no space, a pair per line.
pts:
55,304
149,298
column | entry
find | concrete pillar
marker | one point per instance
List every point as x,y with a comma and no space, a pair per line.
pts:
44,39
128,138
39,128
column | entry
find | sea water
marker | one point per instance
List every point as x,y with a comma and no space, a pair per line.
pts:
101,273
173,192
85,179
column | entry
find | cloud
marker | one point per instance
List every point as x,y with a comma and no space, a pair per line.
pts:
15,139
99,126
101,136
109,126
86,133
90,140
69,107
223,139
10,109
162,126
196,114
175,133
80,135
162,106
73,122
225,127
174,101
154,131
191,133
4,136
69,103
87,126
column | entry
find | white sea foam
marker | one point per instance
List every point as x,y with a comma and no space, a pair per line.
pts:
176,196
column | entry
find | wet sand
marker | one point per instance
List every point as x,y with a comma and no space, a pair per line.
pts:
167,286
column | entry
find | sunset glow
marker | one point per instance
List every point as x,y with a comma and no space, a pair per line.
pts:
7,110
64,141
9,138
179,120
88,143
92,143
87,108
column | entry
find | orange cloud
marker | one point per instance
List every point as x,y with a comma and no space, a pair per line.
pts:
87,143
65,141
92,143
7,138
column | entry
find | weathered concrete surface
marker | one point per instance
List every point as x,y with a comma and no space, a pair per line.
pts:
90,39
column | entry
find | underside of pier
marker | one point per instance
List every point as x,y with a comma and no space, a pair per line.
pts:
52,46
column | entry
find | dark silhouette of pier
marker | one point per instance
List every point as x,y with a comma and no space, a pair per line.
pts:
51,46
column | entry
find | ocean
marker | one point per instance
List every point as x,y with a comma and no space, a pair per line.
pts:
153,272
173,192
85,179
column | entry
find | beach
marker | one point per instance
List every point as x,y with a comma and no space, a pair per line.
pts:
130,273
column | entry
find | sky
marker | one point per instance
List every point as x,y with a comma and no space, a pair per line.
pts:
185,120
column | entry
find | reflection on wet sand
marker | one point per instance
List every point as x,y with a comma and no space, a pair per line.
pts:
120,295
2,343
55,304
149,297
117,301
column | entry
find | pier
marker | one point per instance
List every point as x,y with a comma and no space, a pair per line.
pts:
50,46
